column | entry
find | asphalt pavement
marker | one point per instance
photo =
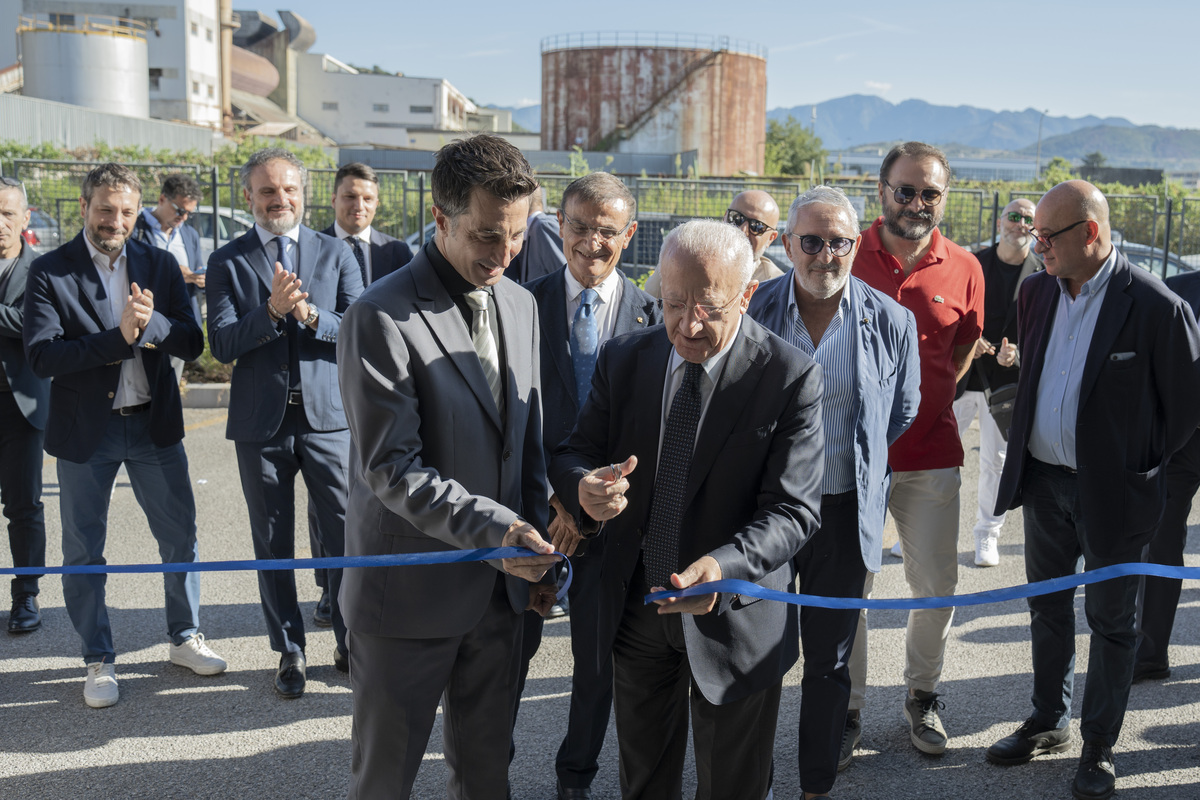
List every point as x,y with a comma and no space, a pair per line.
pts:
178,735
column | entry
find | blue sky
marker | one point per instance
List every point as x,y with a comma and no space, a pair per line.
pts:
1134,60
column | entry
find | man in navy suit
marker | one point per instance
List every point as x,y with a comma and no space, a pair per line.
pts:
24,402
1106,394
355,201
699,448
542,252
1158,598
866,344
103,315
581,306
276,297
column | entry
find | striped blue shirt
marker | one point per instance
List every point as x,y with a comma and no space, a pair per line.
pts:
835,354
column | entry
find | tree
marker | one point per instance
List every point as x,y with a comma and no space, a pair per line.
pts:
1094,160
1054,173
791,148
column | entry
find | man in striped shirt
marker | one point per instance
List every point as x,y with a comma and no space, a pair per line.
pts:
866,344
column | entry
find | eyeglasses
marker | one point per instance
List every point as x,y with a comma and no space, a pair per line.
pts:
1017,216
906,194
702,312
738,219
587,231
1047,241
179,212
813,244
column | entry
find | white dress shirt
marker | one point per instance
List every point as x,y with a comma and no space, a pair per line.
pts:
134,387
708,383
609,291
364,241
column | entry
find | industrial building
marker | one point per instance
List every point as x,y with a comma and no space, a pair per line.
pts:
657,93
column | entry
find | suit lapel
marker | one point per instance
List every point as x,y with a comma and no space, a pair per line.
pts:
255,253
1044,307
516,359
442,316
630,314
557,330
20,273
649,381
310,252
89,281
1113,312
735,387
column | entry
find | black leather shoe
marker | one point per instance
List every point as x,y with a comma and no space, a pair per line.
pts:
1030,740
25,616
289,680
341,661
571,793
323,613
1150,671
1096,777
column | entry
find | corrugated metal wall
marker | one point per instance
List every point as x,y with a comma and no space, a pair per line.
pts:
31,121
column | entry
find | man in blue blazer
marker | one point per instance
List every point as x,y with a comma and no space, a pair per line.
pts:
276,297
165,226
103,315
866,344
698,450
581,306
1106,394
24,403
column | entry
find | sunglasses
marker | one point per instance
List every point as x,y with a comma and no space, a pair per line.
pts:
738,219
1017,216
1047,241
6,181
906,194
179,212
812,244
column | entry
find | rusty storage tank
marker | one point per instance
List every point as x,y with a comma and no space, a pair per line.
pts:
86,60
657,93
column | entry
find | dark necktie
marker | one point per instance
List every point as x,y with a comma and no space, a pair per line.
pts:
585,341
293,327
356,246
661,548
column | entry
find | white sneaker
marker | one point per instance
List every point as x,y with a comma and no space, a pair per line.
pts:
987,554
196,656
895,551
100,687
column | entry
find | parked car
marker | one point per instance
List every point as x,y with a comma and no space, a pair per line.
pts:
413,240
231,223
43,233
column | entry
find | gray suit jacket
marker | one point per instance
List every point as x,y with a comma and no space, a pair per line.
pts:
31,392
433,465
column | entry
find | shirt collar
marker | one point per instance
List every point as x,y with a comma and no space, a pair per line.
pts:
605,290
364,235
266,237
1095,284
714,364
152,220
100,258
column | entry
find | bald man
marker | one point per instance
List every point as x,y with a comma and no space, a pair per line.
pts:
1005,265
756,214
1106,395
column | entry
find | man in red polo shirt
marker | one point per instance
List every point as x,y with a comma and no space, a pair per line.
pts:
904,256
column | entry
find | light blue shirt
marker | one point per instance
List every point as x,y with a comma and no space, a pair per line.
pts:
1057,408
835,354
173,243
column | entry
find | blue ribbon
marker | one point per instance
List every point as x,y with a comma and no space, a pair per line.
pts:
343,562
747,589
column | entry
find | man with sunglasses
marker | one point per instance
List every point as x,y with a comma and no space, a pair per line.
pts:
1107,393
904,256
756,214
24,406
866,345
1005,265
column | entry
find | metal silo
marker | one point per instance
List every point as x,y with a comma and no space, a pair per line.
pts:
92,61
657,93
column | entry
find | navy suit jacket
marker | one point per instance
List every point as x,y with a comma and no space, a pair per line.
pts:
31,392
560,406
753,494
72,337
241,329
388,253
542,253
888,390
1137,403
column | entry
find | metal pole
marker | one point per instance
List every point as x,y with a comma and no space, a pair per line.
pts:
1167,239
995,215
1037,172
421,197
216,205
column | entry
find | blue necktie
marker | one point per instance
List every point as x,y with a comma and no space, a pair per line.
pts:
293,327
585,341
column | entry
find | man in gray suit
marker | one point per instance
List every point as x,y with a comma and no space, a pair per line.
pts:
276,296
713,426
441,382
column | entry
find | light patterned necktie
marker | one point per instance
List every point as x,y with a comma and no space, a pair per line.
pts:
660,550
585,341
485,343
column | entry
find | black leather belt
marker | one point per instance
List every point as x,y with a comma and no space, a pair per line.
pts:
129,411
1058,467
839,499
295,398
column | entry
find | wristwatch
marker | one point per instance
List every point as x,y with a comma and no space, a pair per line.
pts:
311,319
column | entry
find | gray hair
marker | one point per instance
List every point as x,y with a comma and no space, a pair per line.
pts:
12,184
272,154
822,196
708,239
